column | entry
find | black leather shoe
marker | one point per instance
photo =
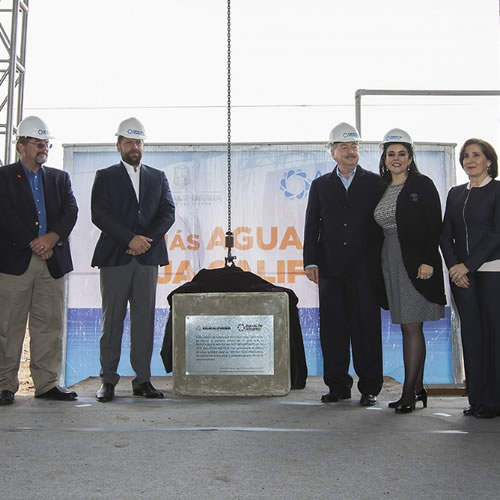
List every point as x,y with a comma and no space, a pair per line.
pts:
58,394
334,396
368,400
486,413
470,411
147,390
6,397
105,393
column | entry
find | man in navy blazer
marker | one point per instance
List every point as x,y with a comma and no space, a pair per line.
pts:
342,255
37,214
133,207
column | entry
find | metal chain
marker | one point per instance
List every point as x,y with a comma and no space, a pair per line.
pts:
229,115
229,241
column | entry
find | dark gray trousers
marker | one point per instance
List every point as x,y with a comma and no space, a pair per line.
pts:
133,284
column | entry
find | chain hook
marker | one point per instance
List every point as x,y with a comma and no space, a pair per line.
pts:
229,240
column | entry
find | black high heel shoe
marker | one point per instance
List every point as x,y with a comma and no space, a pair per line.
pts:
393,404
405,408
422,396
419,396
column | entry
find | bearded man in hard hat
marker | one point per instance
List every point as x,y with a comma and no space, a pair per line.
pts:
133,207
37,214
342,255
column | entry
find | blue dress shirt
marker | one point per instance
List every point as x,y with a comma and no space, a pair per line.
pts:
36,184
346,182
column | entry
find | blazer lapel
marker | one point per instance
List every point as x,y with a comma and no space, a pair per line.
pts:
357,175
334,178
125,181
50,190
25,186
144,183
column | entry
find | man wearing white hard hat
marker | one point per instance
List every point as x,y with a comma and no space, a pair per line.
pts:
342,255
133,207
37,214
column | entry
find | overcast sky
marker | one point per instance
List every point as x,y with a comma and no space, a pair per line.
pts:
295,68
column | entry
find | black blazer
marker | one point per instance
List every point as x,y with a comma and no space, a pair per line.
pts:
116,212
19,219
340,230
471,230
418,217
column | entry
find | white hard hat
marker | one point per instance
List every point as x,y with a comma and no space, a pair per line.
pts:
397,135
343,132
35,127
132,128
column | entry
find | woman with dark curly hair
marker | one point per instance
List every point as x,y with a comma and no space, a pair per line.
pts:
470,243
409,212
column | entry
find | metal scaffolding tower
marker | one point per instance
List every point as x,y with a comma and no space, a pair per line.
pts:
13,35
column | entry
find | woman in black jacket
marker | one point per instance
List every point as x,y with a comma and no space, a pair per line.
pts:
410,214
470,242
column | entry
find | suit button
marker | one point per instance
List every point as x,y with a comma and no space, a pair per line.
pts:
345,225
345,243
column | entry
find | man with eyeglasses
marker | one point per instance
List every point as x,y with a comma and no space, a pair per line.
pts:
342,255
37,214
133,207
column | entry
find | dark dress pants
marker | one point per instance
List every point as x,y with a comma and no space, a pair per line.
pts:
480,329
350,315
133,283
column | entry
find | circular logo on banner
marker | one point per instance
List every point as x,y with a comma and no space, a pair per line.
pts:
295,184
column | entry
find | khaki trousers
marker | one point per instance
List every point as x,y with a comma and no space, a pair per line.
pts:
41,297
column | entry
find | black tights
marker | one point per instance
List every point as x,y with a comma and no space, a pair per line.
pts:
414,359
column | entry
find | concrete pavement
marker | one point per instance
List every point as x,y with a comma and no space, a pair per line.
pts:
290,447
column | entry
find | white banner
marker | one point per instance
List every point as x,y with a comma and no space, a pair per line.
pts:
269,190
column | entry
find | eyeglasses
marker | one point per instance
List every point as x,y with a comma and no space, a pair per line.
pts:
41,144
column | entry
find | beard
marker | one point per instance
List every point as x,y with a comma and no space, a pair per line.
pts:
41,158
133,159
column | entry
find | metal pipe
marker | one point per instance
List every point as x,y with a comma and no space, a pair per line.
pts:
11,82
21,64
388,92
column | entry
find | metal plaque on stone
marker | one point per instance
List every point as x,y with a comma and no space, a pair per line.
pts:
231,343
